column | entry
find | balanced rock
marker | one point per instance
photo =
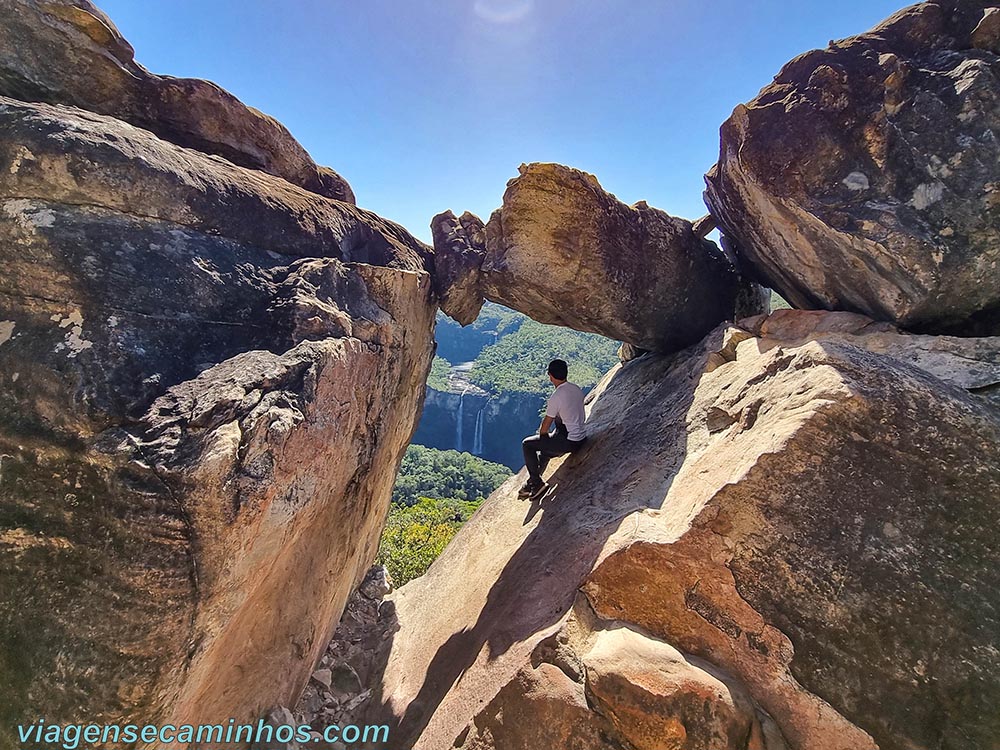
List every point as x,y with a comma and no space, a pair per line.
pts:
782,537
865,177
563,251
209,377
459,249
69,52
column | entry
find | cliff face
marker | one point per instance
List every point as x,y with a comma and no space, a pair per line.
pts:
762,536
500,422
209,375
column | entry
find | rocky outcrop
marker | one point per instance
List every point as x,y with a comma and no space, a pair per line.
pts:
970,363
864,178
801,554
69,52
564,251
209,378
68,155
459,246
598,683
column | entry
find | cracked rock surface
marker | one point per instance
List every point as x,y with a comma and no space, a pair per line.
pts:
208,377
765,540
865,179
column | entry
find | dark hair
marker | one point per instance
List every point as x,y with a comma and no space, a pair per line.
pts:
558,369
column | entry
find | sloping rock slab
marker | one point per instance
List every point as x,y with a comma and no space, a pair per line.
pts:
808,522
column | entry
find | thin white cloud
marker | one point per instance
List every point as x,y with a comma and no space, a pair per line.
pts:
503,11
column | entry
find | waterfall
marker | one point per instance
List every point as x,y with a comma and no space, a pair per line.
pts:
458,424
477,439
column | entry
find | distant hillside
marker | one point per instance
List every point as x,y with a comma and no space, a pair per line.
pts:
457,344
488,386
435,493
517,362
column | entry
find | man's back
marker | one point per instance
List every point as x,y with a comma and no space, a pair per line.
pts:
566,405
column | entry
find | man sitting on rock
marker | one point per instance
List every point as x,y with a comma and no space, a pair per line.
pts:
565,410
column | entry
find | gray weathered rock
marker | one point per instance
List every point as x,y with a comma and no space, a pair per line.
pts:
377,583
704,226
277,716
865,177
69,52
200,425
628,352
69,155
564,251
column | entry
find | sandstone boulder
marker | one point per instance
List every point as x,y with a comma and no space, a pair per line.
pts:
970,363
865,179
209,377
603,684
459,250
72,156
69,52
563,251
790,527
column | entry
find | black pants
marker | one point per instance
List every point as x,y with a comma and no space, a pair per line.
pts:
538,449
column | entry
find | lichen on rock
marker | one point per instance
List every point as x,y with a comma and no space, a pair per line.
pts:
209,378
864,177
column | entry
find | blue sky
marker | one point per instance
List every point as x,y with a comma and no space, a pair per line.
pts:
426,105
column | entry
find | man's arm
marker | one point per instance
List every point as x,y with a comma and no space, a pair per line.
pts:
546,425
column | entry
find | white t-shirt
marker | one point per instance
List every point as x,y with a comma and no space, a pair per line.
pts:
566,403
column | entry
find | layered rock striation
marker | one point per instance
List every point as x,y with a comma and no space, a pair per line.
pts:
564,251
864,178
782,537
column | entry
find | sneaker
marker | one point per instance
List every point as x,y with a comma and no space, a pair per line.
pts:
529,488
540,490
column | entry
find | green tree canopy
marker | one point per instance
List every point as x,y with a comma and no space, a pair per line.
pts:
517,361
445,475
415,535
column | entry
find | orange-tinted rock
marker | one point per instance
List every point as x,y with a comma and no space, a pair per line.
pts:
809,521
563,251
199,427
459,250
